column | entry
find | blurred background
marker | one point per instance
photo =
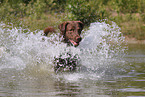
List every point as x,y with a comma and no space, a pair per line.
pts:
38,14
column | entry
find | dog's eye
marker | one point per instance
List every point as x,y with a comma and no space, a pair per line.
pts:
71,29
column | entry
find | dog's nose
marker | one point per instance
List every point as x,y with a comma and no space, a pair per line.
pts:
78,38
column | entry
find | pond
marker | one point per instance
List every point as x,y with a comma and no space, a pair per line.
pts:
110,67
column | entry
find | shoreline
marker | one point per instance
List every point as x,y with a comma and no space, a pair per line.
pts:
129,40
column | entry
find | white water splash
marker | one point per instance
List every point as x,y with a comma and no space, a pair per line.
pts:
101,45
99,49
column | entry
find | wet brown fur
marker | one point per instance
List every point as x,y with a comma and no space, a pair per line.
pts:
70,30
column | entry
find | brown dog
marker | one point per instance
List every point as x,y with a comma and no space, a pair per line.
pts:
70,30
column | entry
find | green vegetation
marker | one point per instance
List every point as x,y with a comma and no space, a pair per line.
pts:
38,14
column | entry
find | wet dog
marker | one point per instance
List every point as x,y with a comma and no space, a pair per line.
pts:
70,31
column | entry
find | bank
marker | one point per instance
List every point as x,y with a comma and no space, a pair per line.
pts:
132,40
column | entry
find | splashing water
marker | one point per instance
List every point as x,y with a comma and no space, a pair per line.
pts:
102,45
99,50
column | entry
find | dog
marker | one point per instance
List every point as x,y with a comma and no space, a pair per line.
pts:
70,30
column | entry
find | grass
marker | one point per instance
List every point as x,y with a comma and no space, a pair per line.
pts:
132,25
38,14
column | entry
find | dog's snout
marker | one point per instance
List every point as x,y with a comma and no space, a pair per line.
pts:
78,38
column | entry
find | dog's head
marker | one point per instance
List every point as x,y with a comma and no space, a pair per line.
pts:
71,30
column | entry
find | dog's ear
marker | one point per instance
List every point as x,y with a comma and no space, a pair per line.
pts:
48,30
81,24
62,27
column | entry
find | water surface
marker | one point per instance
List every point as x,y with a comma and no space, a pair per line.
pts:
111,69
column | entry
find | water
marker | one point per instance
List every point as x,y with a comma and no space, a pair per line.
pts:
109,68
